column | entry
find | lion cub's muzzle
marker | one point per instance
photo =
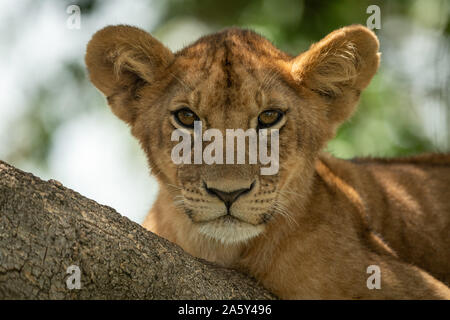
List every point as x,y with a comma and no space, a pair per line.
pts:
232,199
228,197
227,210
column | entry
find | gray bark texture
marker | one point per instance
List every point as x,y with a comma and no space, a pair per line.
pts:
45,228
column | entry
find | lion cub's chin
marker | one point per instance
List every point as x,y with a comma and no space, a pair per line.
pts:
229,230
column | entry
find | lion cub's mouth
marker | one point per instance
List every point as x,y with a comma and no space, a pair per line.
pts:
229,229
227,218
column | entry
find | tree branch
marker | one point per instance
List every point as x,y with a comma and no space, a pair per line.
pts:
45,228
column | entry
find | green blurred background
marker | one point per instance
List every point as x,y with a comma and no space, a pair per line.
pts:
55,124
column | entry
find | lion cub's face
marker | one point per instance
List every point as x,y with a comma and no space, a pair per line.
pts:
231,80
224,86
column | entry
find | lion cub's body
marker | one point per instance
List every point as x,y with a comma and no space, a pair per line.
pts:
360,213
313,229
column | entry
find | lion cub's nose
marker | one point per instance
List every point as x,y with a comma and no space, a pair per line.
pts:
228,197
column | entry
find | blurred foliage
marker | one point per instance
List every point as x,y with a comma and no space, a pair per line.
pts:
49,107
290,24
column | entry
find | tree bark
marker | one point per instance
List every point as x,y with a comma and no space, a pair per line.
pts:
45,228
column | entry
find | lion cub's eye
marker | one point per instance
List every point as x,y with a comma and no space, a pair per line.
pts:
186,117
269,118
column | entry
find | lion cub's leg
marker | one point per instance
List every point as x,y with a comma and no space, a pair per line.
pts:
330,253
355,271
400,279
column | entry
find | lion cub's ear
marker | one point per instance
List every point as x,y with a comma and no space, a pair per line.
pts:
338,67
120,60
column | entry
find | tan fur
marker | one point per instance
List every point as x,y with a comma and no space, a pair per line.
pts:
311,230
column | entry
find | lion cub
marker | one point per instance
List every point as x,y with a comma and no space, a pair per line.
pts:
315,228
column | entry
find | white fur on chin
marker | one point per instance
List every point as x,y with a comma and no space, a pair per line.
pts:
229,231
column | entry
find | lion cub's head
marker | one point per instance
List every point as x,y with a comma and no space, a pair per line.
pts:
234,79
